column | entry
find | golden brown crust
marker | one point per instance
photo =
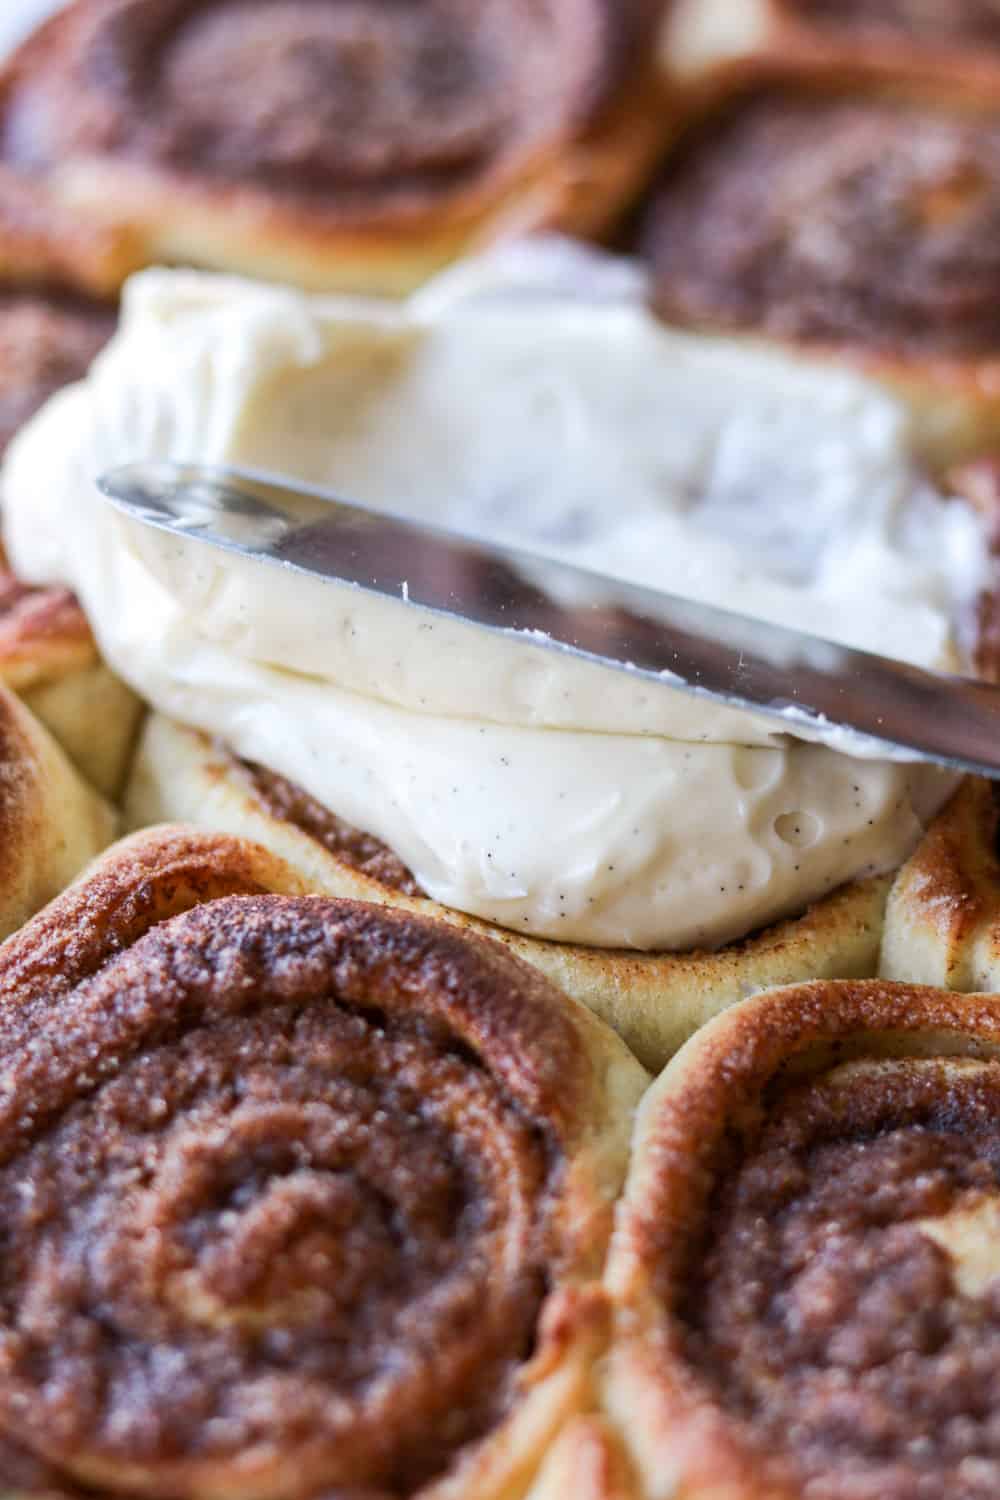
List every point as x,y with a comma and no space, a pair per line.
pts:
943,919
376,1165
51,823
587,1462
541,115
48,656
43,245
43,633
746,1220
654,1001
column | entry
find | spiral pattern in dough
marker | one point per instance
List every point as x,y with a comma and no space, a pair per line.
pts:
868,224
364,110
286,1183
806,1271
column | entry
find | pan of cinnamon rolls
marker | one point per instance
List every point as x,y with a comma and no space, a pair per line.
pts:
434,1070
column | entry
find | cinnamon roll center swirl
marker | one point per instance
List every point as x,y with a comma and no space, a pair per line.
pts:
864,223
846,1306
336,98
262,1226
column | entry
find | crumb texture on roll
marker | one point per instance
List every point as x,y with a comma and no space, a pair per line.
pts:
859,222
807,1270
310,1194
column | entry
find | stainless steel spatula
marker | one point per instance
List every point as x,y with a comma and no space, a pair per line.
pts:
858,701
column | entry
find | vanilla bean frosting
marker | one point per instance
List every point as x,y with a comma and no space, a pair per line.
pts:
537,400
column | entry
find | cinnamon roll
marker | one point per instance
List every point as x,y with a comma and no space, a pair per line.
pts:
312,1197
864,228
48,656
51,823
806,1269
947,47
653,1000
943,918
376,144
58,277
48,338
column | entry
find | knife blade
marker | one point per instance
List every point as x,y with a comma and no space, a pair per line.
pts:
813,688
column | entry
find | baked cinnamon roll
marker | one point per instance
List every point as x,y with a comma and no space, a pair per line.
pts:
48,656
51,822
45,245
342,143
653,1000
48,338
806,1270
863,228
59,273
943,918
947,47
313,1195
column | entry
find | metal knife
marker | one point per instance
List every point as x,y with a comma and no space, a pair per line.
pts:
814,688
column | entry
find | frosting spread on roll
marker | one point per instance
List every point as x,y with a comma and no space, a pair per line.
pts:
847,1309
365,111
552,797
290,1186
290,804
957,20
869,223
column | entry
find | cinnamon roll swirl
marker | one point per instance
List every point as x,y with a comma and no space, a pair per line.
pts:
864,228
51,823
806,1270
653,1000
312,1196
376,144
48,656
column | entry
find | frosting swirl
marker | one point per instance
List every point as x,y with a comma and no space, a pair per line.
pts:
284,1183
866,223
370,109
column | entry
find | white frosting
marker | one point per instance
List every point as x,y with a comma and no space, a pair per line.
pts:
533,399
